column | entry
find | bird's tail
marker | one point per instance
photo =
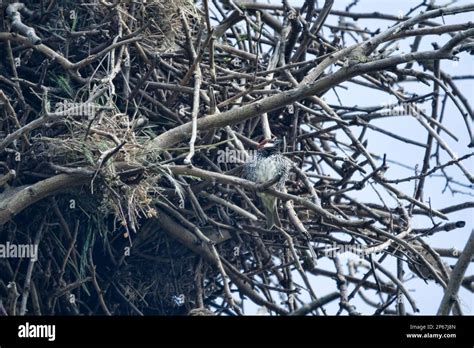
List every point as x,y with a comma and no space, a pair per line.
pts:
271,213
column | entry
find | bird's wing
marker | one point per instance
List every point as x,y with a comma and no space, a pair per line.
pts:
248,171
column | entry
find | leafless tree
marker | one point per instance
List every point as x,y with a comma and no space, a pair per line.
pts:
125,126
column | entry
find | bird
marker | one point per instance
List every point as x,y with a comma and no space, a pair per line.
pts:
266,165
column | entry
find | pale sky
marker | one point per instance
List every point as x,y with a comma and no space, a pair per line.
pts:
427,295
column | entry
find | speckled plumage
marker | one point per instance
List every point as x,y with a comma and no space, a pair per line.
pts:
267,164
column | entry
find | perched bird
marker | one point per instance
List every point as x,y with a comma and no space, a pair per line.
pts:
269,164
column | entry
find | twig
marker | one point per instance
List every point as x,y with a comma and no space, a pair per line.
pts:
450,293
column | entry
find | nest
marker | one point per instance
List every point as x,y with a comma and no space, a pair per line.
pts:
158,275
132,217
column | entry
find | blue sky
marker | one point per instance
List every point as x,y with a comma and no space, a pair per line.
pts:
427,295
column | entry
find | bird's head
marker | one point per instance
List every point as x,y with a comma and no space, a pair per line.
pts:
269,146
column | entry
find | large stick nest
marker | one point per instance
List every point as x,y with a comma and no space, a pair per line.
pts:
132,218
